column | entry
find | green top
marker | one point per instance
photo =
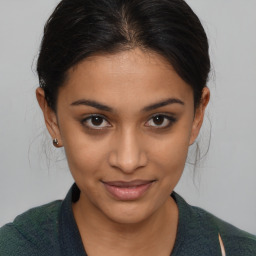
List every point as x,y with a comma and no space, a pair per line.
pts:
51,230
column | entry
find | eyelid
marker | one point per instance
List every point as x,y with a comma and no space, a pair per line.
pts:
84,120
171,118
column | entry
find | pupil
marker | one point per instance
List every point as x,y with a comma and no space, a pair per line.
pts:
158,120
96,120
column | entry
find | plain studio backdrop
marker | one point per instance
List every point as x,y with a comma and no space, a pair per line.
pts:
225,181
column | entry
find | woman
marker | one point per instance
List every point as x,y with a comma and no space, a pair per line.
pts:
123,90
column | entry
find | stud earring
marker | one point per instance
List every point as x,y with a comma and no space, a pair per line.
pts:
55,143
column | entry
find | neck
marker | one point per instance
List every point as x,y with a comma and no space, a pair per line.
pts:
154,235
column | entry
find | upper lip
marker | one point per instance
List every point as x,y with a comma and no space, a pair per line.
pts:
132,183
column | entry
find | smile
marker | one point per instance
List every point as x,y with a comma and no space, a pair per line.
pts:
127,191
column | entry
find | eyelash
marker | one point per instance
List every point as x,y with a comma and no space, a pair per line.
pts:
84,121
171,120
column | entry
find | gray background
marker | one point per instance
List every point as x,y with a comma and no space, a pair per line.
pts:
224,183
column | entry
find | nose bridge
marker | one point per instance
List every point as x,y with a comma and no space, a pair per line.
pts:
128,154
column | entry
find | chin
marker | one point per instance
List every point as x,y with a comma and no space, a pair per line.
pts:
129,213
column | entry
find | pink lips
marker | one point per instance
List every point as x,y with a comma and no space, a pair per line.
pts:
126,191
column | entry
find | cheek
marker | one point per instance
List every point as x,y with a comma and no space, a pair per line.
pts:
85,159
170,155
85,154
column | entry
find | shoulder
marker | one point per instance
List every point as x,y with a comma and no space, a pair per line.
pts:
33,232
236,241
199,231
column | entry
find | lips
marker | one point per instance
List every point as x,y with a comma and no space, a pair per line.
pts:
127,191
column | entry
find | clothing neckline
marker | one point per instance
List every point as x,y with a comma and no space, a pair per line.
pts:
70,239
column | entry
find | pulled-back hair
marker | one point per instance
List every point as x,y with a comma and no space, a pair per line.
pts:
78,29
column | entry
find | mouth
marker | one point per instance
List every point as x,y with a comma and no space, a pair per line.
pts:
128,191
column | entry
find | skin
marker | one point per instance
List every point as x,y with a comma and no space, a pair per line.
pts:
129,144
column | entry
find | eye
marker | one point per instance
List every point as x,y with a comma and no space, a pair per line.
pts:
160,121
96,122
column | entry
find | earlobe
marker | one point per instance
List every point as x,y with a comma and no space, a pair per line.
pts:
199,115
50,117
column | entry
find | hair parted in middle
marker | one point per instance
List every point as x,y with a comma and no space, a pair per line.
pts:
78,29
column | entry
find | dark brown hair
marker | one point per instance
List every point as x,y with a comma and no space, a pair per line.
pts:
80,28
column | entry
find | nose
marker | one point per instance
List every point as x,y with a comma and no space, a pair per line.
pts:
127,153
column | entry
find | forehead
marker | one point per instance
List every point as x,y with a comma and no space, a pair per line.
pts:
131,76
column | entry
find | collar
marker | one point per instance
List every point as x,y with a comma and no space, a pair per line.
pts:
70,239
190,229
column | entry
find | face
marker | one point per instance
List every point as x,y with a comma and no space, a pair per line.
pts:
126,121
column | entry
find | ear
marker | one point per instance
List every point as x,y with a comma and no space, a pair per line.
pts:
199,115
50,117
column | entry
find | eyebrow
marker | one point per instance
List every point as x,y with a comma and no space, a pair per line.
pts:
103,107
163,103
93,104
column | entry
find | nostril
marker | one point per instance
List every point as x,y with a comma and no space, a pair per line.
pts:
128,163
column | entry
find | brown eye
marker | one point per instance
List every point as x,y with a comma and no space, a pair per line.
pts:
96,122
160,121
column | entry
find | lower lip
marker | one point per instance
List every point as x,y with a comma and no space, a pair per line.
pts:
128,193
